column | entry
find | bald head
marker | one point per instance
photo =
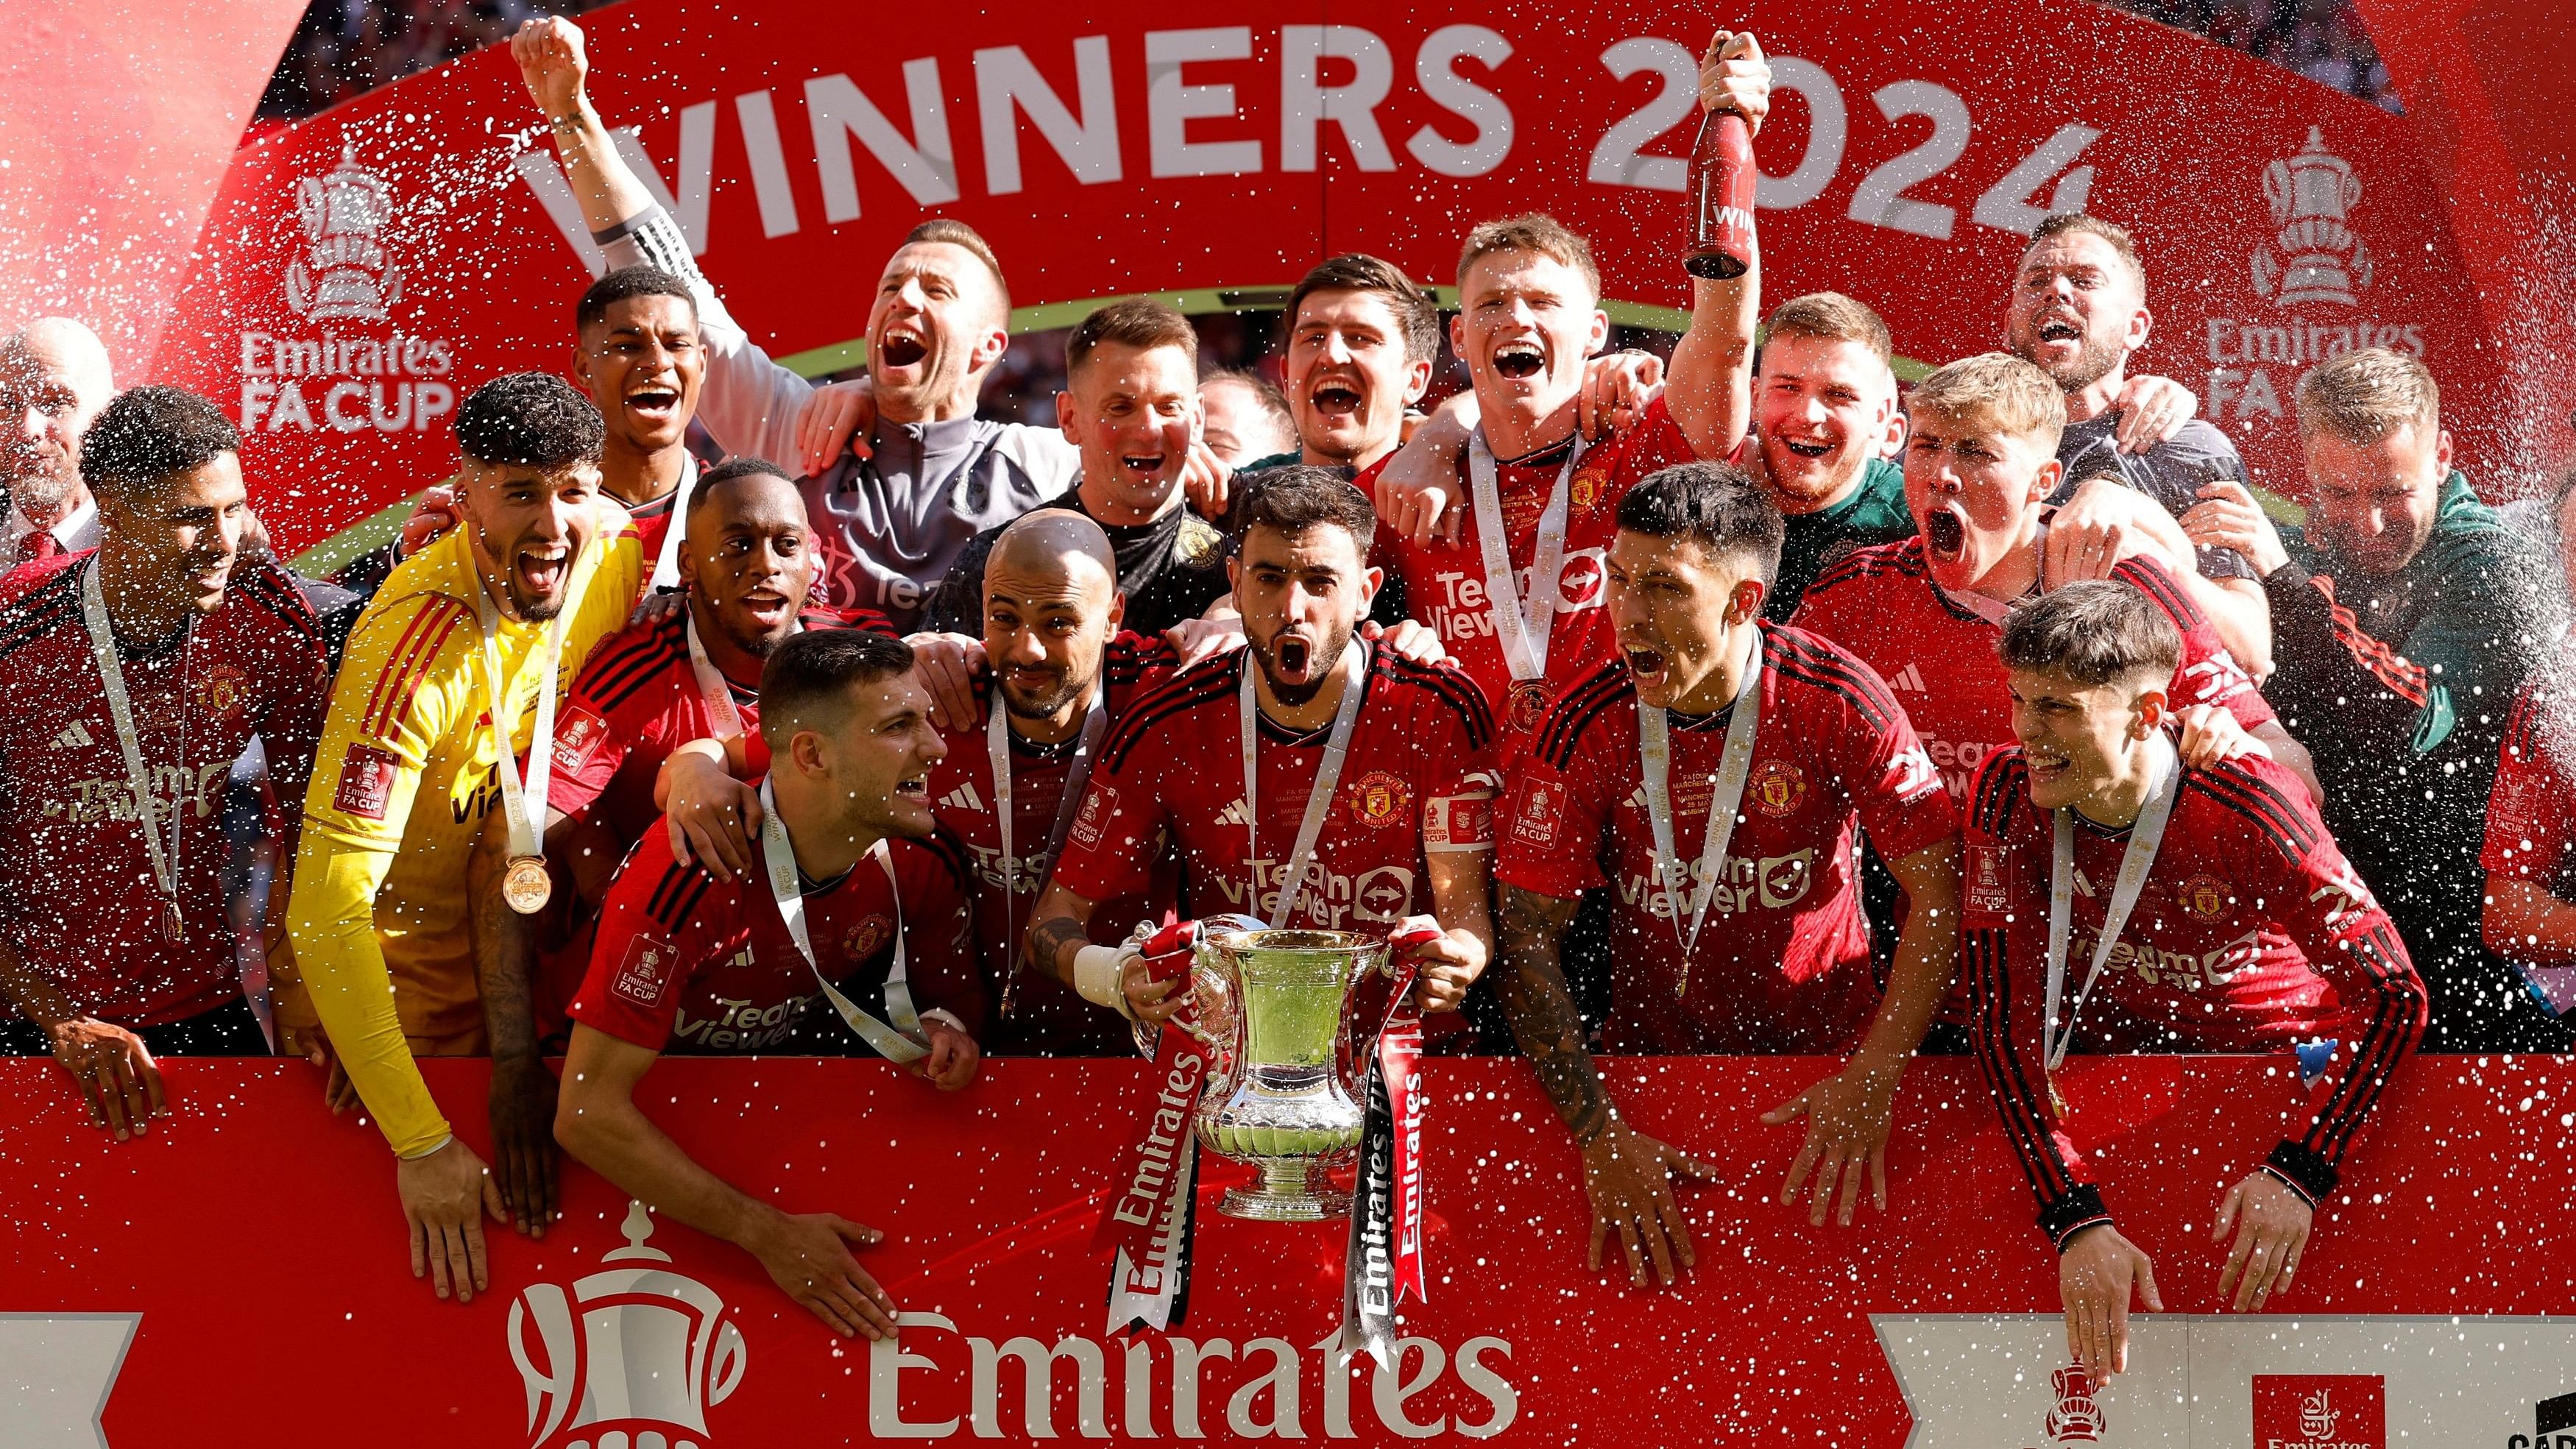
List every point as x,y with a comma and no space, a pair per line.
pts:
54,378
1051,605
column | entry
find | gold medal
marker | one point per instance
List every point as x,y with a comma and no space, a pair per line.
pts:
173,926
1525,705
525,885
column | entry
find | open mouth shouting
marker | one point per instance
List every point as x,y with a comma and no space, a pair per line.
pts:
902,346
539,571
656,404
1142,467
1811,449
1294,656
1945,533
768,608
2050,770
1336,398
913,789
1520,360
1648,667
2060,329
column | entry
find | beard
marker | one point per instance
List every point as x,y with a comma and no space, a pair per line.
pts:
1320,664
2085,368
43,488
1065,690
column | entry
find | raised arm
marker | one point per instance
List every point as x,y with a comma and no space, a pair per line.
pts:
1710,391
750,404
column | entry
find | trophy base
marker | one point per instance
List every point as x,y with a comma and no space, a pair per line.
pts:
1291,1190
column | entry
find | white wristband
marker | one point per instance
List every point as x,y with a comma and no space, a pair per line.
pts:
1097,972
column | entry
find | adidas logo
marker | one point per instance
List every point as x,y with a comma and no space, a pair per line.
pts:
1234,813
963,798
1908,679
77,737
1637,798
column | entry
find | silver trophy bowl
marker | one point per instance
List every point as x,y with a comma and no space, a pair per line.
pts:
1274,1007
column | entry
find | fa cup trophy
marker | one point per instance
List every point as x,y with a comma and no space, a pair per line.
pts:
1290,1057
1272,1007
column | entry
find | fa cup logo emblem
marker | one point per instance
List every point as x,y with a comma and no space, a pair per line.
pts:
343,274
633,1355
2076,1419
2313,254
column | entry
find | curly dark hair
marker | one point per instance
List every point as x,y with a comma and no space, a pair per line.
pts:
532,419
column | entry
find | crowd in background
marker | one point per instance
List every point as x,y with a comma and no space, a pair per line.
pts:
346,48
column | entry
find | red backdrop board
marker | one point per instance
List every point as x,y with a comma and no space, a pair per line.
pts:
245,1260
363,267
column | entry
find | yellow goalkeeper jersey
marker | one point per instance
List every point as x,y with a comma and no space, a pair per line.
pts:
407,771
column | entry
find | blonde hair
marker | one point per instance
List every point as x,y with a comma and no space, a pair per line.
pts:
1998,388
1832,317
2363,396
1530,232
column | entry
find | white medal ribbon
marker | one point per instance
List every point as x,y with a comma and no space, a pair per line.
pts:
1520,626
2136,861
1655,747
899,1043
1328,778
120,708
1077,775
712,688
527,823
666,569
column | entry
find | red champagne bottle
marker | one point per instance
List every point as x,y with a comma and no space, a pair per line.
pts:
1721,192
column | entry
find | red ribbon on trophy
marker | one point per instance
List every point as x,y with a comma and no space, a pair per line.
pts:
1151,1208
1384,1259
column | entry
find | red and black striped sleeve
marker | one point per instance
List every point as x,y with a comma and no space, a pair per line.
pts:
2005,993
663,922
2339,926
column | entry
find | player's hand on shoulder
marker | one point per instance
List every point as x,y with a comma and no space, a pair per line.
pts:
2151,410
2227,516
947,666
838,417
549,53
1629,1178
119,1082
711,815
1193,640
2107,522
1410,639
1618,387
432,515
2211,734
1418,492
1204,477
656,606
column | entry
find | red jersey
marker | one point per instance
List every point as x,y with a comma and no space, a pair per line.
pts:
1045,1016
1936,649
686,963
2531,816
84,907
1782,963
1445,585
1418,779
635,702
2252,933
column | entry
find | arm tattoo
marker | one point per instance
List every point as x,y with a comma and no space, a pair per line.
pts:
1052,943
504,942
1541,1010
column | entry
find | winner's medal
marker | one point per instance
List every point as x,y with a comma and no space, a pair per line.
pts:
1525,705
525,885
1521,626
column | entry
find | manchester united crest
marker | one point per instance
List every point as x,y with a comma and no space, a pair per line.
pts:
1379,800
219,692
867,937
2205,898
1777,788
